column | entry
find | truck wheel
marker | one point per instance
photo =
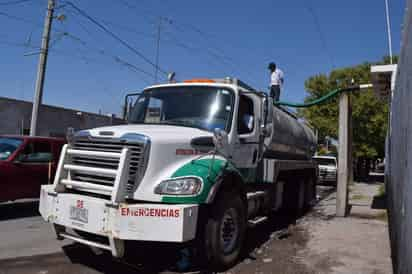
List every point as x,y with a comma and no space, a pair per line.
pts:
224,231
300,206
310,193
294,198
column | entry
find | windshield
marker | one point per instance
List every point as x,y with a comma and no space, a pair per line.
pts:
8,146
193,106
325,161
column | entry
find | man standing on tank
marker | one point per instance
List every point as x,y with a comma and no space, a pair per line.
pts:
276,81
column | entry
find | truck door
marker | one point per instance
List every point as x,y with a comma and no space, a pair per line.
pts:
246,145
32,168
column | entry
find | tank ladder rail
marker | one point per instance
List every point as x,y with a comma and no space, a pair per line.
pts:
64,173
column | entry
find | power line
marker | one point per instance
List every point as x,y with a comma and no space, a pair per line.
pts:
129,29
9,3
16,18
309,7
103,52
211,50
146,11
17,44
181,26
116,37
24,20
116,25
232,66
207,37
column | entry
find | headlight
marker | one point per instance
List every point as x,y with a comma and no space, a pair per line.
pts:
180,186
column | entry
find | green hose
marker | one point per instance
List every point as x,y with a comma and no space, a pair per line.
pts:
317,101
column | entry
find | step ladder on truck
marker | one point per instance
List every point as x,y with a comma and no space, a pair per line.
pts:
198,162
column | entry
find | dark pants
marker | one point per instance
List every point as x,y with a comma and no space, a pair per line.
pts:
275,92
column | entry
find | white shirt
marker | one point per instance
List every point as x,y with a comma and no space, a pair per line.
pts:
276,78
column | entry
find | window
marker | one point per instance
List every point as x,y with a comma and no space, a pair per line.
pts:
36,152
154,111
245,119
201,107
8,146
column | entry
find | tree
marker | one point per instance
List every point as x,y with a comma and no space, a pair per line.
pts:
370,115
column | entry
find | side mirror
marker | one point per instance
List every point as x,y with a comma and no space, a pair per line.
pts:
128,104
221,142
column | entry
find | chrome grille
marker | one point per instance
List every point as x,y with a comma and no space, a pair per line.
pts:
327,175
136,164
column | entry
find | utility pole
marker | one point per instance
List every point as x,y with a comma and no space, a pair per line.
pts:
157,48
388,26
345,159
42,67
159,29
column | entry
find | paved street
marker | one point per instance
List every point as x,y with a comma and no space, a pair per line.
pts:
282,245
23,232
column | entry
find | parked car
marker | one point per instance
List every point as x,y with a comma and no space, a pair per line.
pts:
25,164
328,169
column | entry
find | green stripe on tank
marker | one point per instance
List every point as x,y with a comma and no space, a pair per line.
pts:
202,169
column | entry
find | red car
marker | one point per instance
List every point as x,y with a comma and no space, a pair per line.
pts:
25,164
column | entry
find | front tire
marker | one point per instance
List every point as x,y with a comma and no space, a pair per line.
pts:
225,231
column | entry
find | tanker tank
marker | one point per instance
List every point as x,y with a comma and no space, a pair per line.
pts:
290,138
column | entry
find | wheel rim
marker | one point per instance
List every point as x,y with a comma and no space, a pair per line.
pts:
229,231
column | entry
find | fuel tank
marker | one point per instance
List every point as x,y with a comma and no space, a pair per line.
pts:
290,138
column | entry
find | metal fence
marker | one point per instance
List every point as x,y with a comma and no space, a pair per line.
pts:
399,156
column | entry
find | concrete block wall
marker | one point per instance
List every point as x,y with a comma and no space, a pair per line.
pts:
399,156
15,116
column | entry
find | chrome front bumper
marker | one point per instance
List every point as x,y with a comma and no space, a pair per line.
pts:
117,222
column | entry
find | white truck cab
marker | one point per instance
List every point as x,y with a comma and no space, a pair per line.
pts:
198,160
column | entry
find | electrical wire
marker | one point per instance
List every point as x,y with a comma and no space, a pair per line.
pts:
24,20
211,50
311,10
17,44
16,18
116,37
9,3
103,52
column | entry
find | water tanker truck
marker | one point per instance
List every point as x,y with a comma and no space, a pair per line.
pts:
198,162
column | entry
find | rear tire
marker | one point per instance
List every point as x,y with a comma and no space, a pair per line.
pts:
294,198
310,193
224,231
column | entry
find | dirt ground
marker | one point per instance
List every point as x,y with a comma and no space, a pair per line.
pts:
319,242
356,244
322,243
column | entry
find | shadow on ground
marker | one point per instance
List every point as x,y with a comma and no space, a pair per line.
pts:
379,202
15,210
149,258
159,258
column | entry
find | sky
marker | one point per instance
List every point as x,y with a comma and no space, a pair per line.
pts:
91,71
